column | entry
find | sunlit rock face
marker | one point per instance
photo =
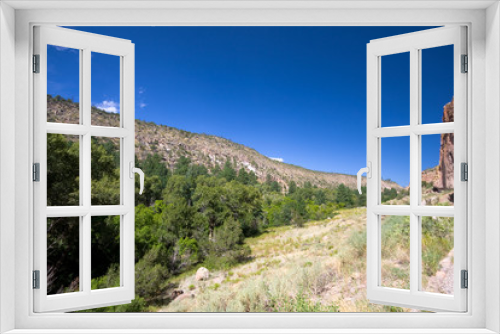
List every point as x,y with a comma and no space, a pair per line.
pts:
441,176
446,154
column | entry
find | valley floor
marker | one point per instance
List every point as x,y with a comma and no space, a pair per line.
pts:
317,268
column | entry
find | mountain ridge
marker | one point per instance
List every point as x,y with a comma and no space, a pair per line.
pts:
205,149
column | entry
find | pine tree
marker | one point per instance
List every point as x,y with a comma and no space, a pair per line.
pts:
228,172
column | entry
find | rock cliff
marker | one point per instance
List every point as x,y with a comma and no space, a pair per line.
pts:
446,153
442,176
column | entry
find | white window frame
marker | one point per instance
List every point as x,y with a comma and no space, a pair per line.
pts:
483,125
414,44
85,43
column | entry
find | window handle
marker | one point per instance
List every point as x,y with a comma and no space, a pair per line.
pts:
368,171
134,170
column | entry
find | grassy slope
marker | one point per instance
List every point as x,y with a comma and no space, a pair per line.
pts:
318,268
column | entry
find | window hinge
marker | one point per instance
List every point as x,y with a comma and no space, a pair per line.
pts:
36,279
465,279
464,172
36,172
465,64
36,63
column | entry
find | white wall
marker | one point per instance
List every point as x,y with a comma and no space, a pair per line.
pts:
486,162
7,160
492,165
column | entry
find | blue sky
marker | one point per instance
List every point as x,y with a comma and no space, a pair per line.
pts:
296,93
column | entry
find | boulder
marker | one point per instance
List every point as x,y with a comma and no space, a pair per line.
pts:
202,274
177,293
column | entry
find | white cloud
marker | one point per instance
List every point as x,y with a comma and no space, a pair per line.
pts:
141,90
62,48
142,105
109,106
277,159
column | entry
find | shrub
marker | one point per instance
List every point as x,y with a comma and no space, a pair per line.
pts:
437,242
357,243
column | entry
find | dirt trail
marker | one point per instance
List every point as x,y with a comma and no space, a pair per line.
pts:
442,282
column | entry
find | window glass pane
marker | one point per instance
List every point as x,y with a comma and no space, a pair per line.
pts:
63,84
63,170
105,171
395,171
105,89
437,254
437,169
437,84
105,252
395,248
63,255
395,90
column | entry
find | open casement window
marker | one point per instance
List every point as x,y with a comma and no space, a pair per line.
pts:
418,217
69,210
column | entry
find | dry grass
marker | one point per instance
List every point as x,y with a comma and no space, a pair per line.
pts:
318,268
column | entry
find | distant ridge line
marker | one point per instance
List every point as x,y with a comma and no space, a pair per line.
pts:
205,149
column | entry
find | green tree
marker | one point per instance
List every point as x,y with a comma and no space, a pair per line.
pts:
252,178
243,177
62,189
152,190
389,194
229,248
105,173
154,165
272,184
216,170
182,165
345,196
245,206
210,200
63,163
228,172
178,212
362,197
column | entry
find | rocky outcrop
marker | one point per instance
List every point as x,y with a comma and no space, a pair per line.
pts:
446,153
442,176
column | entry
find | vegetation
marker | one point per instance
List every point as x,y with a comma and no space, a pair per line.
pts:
274,247
318,268
186,217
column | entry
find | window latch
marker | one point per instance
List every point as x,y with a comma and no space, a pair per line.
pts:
368,171
132,171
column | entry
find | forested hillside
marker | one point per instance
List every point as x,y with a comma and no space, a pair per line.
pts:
186,216
189,215
203,149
